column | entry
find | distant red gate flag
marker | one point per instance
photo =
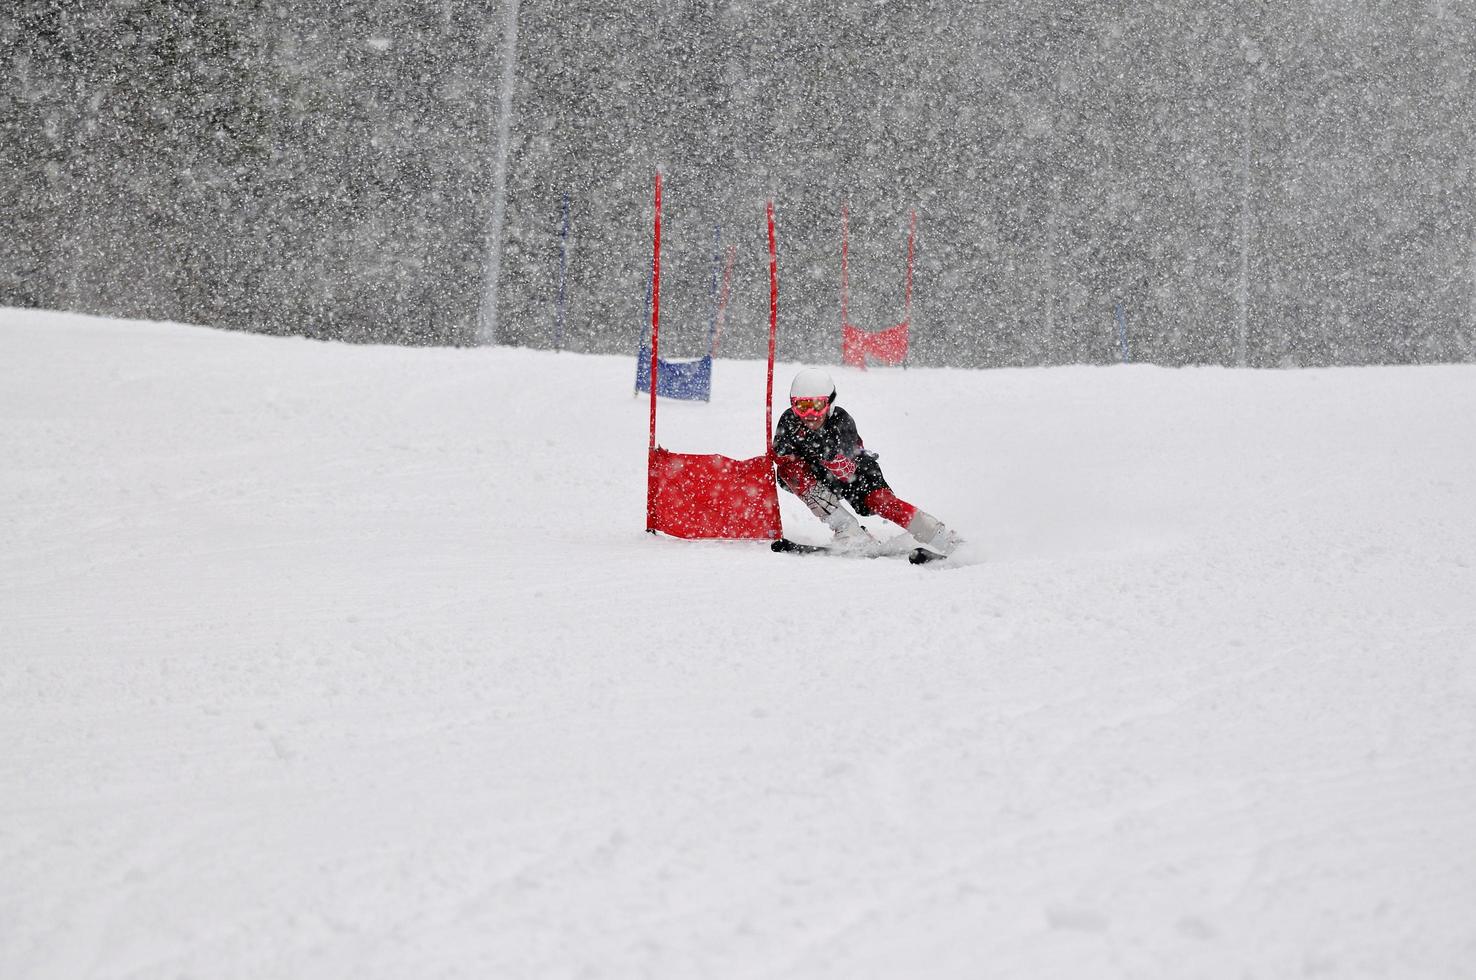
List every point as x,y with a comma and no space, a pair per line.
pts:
887,346
710,496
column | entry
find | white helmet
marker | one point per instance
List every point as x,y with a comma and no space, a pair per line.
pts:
812,383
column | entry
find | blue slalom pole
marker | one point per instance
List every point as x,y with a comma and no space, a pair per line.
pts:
712,293
563,268
1122,332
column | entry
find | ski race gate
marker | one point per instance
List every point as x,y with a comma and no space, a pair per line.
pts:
888,346
692,495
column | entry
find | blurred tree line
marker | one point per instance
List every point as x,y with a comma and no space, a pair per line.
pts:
1252,182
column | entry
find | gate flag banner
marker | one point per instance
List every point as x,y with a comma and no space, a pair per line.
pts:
687,380
691,495
888,346
711,496
690,380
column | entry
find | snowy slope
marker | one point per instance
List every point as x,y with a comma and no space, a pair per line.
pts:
324,661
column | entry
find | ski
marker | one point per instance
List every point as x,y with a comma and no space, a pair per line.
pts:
916,556
795,548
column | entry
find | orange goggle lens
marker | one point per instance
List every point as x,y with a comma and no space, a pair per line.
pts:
809,406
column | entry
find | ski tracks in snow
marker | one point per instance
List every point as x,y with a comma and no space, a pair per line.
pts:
356,661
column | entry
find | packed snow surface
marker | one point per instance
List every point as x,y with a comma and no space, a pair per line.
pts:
323,661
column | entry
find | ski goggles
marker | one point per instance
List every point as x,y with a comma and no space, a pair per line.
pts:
808,408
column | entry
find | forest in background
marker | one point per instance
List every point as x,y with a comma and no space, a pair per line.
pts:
1269,184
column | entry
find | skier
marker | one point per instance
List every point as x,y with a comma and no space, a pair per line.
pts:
820,459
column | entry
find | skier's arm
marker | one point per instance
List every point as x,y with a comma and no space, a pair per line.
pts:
795,474
842,465
846,436
794,470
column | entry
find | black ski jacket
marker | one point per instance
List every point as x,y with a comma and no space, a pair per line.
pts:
838,435
801,455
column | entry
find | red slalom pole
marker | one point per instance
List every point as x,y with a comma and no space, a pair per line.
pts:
655,306
722,315
845,245
907,301
773,333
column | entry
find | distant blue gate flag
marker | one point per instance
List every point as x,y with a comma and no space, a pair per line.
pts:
563,269
687,380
